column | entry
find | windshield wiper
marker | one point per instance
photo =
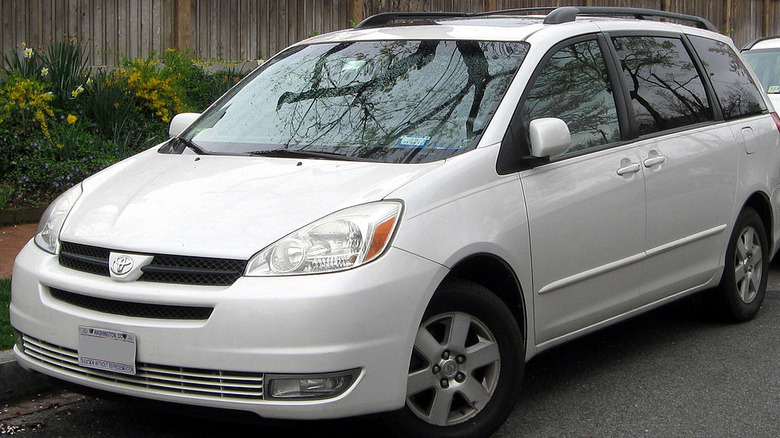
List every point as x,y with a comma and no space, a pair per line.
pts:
188,143
299,153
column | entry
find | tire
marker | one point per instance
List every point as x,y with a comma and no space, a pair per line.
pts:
743,285
463,382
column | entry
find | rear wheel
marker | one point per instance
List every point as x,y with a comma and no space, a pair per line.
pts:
466,367
743,286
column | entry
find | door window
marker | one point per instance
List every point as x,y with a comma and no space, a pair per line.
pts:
574,86
663,82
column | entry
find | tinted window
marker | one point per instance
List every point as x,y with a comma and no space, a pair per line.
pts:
665,87
736,92
391,101
574,86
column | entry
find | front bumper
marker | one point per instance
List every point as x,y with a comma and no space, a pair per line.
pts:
365,319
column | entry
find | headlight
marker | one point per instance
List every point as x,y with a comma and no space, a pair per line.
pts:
342,240
48,233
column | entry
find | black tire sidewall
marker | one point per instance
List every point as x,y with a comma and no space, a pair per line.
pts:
479,302
729,304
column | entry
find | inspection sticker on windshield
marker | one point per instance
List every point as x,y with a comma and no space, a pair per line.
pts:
107,350
773,89
413,141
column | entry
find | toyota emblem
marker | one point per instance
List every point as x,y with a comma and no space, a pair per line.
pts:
122,265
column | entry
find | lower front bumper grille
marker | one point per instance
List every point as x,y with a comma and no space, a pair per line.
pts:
127,308
213,384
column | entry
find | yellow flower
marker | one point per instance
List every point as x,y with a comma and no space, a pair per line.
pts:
75,93
28,52
44,71
71,119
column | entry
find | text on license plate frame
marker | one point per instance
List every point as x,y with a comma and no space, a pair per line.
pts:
107,350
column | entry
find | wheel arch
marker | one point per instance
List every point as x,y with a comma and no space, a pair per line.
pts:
496,275
759,202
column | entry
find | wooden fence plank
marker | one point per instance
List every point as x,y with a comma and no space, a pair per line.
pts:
240,29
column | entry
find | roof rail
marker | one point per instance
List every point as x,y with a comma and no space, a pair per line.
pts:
386,18
564,14
750,45
568,14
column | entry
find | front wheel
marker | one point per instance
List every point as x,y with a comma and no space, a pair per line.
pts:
743,285
466,366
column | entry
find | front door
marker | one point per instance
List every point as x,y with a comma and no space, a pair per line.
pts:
586,210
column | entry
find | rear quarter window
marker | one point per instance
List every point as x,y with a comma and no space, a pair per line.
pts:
737,94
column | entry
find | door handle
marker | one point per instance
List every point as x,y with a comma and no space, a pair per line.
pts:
631,168
652,161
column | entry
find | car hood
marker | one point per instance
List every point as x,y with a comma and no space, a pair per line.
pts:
220,206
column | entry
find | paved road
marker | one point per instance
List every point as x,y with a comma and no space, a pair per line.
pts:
669,373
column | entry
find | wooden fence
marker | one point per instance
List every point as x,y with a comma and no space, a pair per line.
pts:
251,29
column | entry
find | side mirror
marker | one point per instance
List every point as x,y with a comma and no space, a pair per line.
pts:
550,137
181,122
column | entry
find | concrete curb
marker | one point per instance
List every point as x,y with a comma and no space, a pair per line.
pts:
16,382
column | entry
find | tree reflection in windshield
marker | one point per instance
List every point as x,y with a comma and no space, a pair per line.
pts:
395,101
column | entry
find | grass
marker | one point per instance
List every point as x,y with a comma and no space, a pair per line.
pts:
6,332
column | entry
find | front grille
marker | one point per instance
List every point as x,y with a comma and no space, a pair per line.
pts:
85,258
193,270
163,269
211,384
138,310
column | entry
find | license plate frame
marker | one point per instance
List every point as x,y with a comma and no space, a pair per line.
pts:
107,350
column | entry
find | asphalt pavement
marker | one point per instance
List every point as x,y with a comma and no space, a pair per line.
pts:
673,372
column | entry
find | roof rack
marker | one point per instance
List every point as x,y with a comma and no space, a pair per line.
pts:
386,18
565,14
569,13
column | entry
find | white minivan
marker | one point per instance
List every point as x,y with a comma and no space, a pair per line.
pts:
395,218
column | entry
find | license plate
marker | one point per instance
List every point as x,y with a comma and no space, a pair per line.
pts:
107,350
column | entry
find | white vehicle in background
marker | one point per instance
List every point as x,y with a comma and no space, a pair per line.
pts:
395,218
763,55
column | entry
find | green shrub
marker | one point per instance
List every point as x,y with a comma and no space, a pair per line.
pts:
68,71
51,140
143,131
6,331
25,105
197,86
6,193
40,172
27,66
155,87
110,105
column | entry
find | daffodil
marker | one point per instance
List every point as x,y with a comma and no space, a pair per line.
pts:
28,52
44,71
71,119
75,93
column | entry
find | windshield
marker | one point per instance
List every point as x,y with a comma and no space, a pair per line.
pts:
766,64
389,101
